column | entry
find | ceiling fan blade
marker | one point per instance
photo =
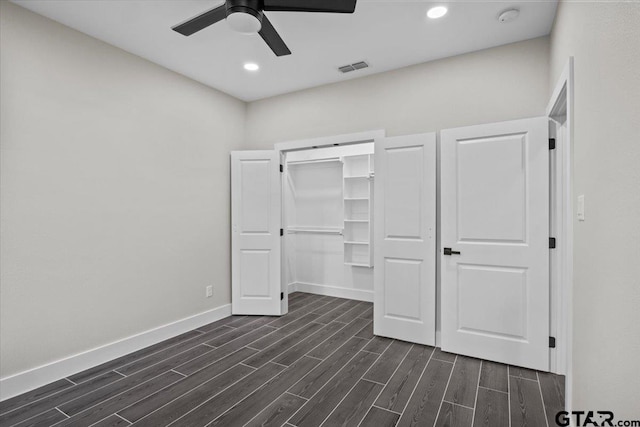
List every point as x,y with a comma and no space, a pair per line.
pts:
329,6
201,21
273,39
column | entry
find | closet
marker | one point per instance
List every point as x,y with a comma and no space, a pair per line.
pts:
328,220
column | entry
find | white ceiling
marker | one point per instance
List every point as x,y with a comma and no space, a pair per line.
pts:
387,34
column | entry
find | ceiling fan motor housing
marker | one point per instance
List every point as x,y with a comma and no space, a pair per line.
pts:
244,16
252,7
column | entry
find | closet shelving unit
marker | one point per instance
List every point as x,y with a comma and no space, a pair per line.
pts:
358,174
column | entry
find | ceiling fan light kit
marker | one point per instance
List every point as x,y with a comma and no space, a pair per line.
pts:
247,17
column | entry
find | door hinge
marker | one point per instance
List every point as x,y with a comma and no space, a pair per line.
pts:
552,143
552,342
281,168
552,242
281,296
282,232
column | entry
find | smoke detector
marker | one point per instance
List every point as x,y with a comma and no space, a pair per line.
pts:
508,15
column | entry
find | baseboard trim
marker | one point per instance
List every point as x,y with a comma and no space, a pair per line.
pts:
332,291
33,378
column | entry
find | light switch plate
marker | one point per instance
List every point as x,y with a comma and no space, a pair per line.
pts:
580,207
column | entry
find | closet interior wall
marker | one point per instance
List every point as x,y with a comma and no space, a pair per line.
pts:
327,201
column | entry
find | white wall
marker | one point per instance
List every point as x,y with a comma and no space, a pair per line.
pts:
501,83
115,192
604,39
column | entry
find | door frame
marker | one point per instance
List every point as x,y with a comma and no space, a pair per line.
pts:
304,144
560,114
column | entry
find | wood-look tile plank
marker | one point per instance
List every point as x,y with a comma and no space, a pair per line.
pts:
224,350
159,356
492,409
33,395
332,305
339,311
231,321
45,419
378,345
296,352
377,417
304,302
444,356
238,332
199,409
260,399
281,333
31,410
397,392
278,412
131,357
494,375
552,387
103,409
316,379
366,332
217,370
112,421
422,408
463,382
388,362
367,314
454,416
120,386
302,312
281,346
355,405
526,403
355,312
163,409
516,371
338,339
316,410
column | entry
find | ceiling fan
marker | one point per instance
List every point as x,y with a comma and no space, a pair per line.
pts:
247,17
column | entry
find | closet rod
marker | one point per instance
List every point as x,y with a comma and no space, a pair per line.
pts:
314,231
306,162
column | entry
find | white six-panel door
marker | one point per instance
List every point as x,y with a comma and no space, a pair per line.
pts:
255,232
495,213
404,238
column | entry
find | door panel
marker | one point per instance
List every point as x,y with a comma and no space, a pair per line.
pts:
495,212
255,237
404,276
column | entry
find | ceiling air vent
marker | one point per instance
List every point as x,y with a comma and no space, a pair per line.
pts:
353,67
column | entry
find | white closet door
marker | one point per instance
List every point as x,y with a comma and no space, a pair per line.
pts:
404,238
495,213
255,237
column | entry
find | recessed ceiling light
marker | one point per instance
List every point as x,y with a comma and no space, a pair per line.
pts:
251,66
437,12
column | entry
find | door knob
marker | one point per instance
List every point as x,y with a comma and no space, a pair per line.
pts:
448,251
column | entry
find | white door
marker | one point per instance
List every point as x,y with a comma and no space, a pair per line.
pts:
255,232
495,242
404,238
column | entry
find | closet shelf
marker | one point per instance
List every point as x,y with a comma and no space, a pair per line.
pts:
346,242
310,162
357,264
358,177
314,230
357,220
356,198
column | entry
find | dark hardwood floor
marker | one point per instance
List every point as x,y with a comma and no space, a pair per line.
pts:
319,365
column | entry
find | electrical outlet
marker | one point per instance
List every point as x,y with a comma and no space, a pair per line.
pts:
209,291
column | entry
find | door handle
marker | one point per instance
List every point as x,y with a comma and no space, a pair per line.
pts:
448,251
